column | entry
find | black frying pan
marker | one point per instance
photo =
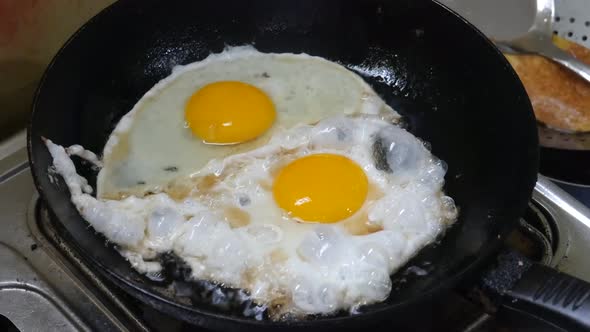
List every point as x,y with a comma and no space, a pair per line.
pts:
570,166
454,88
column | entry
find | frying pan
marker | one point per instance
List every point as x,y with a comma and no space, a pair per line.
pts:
453,87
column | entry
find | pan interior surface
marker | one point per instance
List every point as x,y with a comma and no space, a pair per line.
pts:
453,87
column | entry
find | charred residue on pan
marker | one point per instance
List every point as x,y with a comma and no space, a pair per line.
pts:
177,275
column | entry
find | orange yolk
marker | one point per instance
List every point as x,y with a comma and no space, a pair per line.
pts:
323,188
229,112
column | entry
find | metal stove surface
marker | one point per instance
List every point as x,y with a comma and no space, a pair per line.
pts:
45,286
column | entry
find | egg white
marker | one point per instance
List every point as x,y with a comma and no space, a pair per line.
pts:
293,268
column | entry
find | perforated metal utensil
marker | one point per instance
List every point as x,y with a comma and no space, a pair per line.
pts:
538,40
527,27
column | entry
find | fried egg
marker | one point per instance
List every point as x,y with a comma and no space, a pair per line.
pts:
312,222
228,103
283,175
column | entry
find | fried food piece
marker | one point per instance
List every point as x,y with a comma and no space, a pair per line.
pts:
560,98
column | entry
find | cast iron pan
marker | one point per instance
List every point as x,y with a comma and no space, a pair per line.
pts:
454,88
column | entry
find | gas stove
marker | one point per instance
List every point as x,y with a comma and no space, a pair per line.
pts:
46,286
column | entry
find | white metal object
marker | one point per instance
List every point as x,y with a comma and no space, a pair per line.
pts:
572,20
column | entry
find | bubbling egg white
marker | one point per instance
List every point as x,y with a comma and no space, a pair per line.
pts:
225,224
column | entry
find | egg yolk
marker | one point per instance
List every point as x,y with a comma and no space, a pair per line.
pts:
229,112
323,188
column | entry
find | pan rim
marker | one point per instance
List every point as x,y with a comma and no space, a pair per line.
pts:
223,318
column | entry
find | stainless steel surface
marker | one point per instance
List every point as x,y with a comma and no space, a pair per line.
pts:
504,19
39,289
572,220
571,21
27,300
545,238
